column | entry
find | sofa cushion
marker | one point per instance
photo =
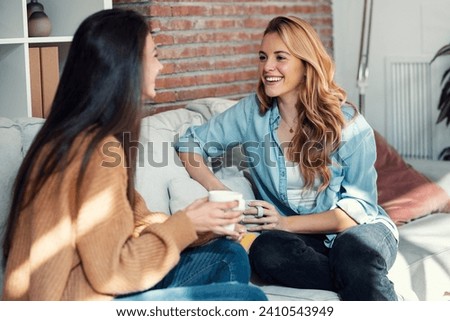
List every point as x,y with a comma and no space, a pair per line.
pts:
29,128
209,107
183,191
403,192
422,259
15,139
10,158
436,170
158,161
282,293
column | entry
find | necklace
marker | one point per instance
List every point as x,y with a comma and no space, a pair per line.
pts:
291,128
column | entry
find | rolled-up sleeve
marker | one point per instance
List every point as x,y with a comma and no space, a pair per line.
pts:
189,142
220,133
358,188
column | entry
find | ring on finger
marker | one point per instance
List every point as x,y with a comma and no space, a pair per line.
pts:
259,211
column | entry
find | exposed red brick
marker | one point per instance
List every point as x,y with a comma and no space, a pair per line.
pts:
209,48
159,10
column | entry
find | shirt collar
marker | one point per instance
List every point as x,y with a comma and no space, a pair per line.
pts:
274,115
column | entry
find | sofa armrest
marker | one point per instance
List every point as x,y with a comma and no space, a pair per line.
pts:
435,170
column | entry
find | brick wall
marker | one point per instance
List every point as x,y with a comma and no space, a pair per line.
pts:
209,48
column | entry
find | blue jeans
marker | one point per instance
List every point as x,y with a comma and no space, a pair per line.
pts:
356,267
217,271
229,291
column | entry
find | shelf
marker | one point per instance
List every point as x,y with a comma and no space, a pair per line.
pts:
44,40
8,41
65,17
35,40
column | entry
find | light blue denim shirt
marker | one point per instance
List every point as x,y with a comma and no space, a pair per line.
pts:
353,177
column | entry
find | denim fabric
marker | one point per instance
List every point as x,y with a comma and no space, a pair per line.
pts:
356,267
217,271
353,177
221,260
229,291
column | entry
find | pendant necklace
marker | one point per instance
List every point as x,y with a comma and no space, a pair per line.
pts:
291,130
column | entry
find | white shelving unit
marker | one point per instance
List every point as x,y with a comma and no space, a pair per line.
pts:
65,16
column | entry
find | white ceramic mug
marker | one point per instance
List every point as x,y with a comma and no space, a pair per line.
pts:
228,196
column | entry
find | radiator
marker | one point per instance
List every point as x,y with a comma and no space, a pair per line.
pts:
409,116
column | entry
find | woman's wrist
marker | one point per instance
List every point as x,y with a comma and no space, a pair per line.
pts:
214,186
283,224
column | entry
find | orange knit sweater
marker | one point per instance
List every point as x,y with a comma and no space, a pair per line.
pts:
98,250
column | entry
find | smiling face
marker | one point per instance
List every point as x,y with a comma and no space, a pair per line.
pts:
151,69
281,73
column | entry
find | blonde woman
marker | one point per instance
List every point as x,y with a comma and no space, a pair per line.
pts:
311,156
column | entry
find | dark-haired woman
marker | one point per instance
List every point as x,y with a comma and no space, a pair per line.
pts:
78,229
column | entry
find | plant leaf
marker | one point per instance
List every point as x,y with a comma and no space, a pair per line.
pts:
443,51
444,99
445,93
444,106
446,73
444,102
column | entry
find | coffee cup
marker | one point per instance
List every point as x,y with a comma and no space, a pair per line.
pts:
228,196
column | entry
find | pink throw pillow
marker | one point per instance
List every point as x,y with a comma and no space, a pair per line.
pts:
403,192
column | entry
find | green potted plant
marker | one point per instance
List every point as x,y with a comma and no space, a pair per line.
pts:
444,99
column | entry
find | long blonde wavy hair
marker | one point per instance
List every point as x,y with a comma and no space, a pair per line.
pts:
320,121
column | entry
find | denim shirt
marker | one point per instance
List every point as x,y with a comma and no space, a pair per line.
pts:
353,177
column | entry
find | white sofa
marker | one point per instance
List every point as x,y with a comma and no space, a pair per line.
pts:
422,268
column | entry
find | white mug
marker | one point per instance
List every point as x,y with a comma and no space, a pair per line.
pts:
228,196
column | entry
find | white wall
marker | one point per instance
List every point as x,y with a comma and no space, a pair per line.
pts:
403,28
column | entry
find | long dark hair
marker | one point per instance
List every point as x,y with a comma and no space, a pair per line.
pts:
99,94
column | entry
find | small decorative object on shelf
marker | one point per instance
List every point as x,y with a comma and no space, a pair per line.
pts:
33,6
39,24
